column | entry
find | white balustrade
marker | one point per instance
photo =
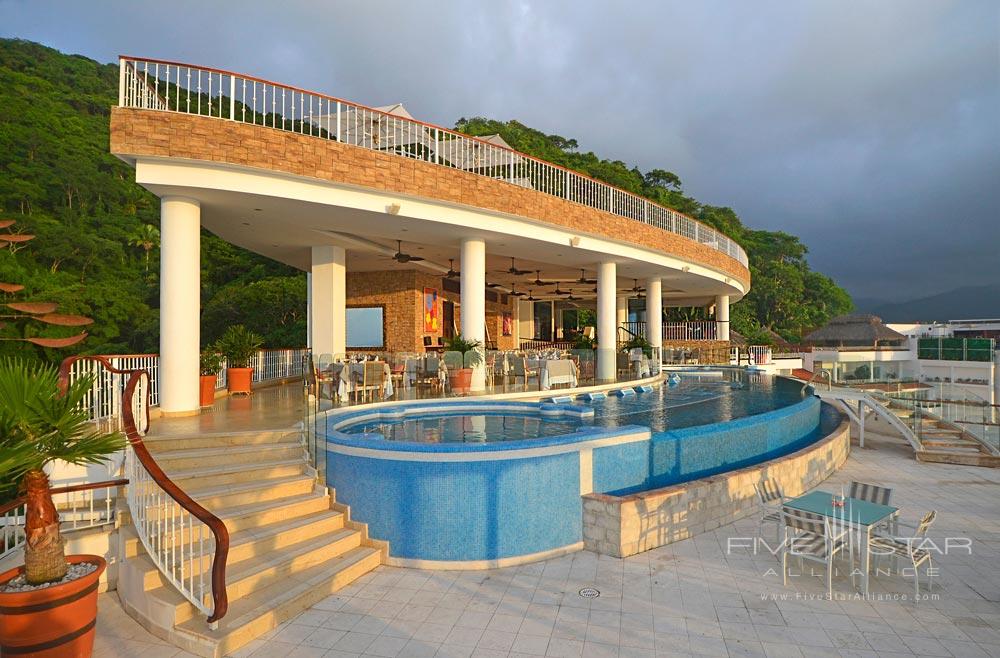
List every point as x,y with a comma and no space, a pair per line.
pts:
176,87
695,330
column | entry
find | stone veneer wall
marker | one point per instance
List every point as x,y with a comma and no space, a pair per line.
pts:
709,351
625,525
401,292
156,133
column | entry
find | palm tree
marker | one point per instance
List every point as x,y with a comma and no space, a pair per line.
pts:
39,424
147,237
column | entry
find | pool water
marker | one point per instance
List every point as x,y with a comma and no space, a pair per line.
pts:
468,428
699,399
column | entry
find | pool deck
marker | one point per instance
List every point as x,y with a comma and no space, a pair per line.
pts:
689,598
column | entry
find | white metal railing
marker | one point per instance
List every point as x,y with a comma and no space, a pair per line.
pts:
696,330
104,398
760,355
178,87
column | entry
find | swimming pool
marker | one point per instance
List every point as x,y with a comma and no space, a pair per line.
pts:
468,484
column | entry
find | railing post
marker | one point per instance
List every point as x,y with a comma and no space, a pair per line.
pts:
232,98
122,70
437,142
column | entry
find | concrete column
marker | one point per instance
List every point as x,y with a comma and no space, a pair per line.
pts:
328,297
473,277
654,313
180,304
607,339
557,322
722,315
621,310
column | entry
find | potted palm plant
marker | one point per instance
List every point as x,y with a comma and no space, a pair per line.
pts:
460,375
210,365
238,345
50,603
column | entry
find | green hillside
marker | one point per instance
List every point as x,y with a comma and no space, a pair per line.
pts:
96,247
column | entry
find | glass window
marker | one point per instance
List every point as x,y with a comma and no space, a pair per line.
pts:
364,327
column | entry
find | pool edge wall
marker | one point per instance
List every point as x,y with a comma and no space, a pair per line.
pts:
621,526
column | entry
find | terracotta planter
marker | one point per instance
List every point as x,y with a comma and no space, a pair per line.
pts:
207,390
54,622
239,380
460,380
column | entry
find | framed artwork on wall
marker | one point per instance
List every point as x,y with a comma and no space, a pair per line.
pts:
507,321
432,311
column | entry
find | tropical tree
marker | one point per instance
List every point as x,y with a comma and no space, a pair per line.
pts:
147,238
40,422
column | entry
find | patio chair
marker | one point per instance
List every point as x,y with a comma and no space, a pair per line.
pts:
623,365
521,370
810,536
373,379
872,493
771,499
907,547
431,373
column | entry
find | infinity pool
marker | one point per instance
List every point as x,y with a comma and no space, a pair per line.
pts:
699,399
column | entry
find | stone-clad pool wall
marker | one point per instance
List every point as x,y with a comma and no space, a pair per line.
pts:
481,505
625,525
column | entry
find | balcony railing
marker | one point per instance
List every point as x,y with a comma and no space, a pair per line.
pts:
694,330
177,87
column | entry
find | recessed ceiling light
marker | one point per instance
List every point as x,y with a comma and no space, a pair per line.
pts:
246,223
257,209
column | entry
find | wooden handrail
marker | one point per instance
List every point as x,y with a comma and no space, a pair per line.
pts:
86,486
219,531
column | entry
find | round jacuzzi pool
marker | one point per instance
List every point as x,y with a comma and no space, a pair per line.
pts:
467,483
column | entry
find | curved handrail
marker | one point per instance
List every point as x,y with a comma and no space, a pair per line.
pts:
821,371
721,242
220,598
86,486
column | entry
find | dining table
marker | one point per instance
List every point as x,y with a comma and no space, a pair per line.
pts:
861,516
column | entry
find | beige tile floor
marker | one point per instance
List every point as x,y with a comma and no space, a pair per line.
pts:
690,598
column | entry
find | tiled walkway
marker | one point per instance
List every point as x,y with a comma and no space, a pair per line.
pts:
691,598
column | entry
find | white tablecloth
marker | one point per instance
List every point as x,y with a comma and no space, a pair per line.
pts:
557,371
352,371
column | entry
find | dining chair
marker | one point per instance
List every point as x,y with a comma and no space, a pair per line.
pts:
810,536
909,548
771,499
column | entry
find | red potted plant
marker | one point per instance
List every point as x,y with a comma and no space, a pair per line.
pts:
50,604
211,364
239,346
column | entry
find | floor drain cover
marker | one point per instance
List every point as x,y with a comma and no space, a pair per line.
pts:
589,593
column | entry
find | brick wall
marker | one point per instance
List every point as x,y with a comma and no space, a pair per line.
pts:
168,134
401,292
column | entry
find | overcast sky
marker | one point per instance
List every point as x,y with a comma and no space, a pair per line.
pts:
869,129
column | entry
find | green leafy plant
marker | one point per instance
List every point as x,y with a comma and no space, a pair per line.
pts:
472,354
210,362
582,342
239,345
638,342
39,424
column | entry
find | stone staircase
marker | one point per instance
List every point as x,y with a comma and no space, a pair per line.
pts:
291,544
945,443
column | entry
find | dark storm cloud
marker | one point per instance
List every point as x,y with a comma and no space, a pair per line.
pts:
870,129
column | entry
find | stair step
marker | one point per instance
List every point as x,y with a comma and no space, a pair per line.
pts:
175,460
258,568
259,515
964,458
265,609
223,496
235,473
161,444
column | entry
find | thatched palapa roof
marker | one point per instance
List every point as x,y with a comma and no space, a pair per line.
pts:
854,331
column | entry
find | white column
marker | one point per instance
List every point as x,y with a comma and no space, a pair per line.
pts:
621,310
328,297
607,339
557,322
473,278
722,315
309,310
654,313
180,304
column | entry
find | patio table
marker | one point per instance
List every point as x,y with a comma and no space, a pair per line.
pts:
557,371
860,515
347,383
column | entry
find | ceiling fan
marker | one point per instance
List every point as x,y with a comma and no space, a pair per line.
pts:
516,272
636,287
583,277
538,280
400,257
451,273
529,298
514,293
557,291
572,297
